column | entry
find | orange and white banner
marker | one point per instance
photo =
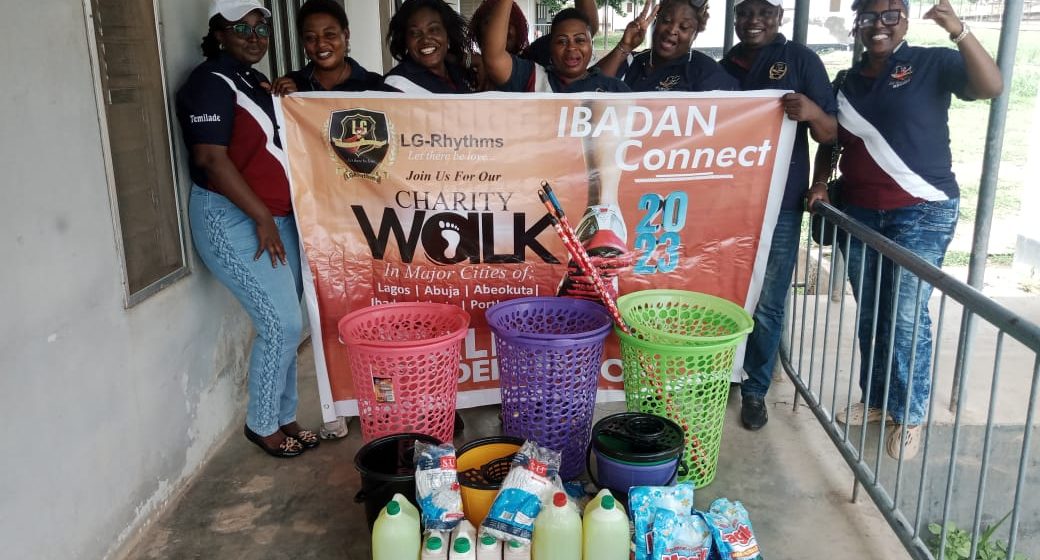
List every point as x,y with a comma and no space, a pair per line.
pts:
435,198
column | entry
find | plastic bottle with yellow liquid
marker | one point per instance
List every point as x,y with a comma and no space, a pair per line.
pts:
605,533
395,535
557,531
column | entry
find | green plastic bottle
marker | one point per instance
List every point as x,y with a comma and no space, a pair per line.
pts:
395,535
605,531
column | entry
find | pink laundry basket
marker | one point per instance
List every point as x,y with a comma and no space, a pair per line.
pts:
404,360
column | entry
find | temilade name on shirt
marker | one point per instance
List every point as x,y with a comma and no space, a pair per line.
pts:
204,118
629,123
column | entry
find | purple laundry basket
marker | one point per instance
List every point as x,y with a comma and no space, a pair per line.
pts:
549,355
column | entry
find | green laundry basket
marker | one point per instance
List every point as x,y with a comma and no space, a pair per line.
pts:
678,363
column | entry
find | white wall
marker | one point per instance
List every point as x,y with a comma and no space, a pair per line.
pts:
106,410
366,34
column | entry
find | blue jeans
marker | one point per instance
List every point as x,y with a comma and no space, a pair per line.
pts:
926,230
225,238
764,341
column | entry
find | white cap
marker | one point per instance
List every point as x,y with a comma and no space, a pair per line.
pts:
234,10
773,2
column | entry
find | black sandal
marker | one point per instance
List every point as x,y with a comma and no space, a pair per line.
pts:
290,447
307,438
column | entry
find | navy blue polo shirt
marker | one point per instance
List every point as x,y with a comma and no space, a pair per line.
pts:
359,79
894,128
224,103
525,76
784,64
410,77
694,72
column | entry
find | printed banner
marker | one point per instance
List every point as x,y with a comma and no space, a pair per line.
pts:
435,198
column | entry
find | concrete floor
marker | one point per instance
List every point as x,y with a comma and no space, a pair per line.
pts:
245,504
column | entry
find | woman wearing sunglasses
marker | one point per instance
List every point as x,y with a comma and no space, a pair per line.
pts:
241,214
325,32
893,113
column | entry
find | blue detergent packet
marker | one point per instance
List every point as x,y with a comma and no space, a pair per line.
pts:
437,486
680,536
529,483
643,505
731,530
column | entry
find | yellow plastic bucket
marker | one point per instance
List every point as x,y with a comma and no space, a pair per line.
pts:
482,466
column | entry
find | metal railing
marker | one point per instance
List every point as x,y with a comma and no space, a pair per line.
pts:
974,468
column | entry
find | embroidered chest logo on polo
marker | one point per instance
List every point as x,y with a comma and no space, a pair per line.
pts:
668,83
900,76
778,70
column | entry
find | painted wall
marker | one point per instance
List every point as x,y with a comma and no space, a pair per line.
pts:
107,410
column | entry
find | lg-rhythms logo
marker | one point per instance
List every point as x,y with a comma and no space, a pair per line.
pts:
360,139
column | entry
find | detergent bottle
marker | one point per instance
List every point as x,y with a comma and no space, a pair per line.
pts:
557,531
516,550
435,547
463,542
595,501
489,548
605,531
395,535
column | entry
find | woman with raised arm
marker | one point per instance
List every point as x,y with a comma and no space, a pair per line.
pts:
896,168
570,44
671,63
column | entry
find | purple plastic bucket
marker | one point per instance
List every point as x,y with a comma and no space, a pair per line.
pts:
635,449
549,355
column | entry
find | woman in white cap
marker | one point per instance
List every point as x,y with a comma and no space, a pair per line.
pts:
240,211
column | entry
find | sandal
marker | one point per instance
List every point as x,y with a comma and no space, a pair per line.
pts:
307,438
290,447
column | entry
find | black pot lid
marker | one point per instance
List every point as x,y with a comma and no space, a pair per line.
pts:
637,437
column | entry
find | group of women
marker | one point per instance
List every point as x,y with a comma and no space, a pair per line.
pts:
241,214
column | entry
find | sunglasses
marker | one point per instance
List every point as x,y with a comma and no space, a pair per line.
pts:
245,31
888,17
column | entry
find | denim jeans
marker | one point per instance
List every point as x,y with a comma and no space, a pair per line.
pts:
763,342
926,230
225,238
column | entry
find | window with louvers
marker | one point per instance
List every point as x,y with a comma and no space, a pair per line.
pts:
133,100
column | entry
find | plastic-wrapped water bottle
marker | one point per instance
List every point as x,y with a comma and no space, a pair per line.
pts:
395,535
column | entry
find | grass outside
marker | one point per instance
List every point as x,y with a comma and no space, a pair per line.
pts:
968,123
